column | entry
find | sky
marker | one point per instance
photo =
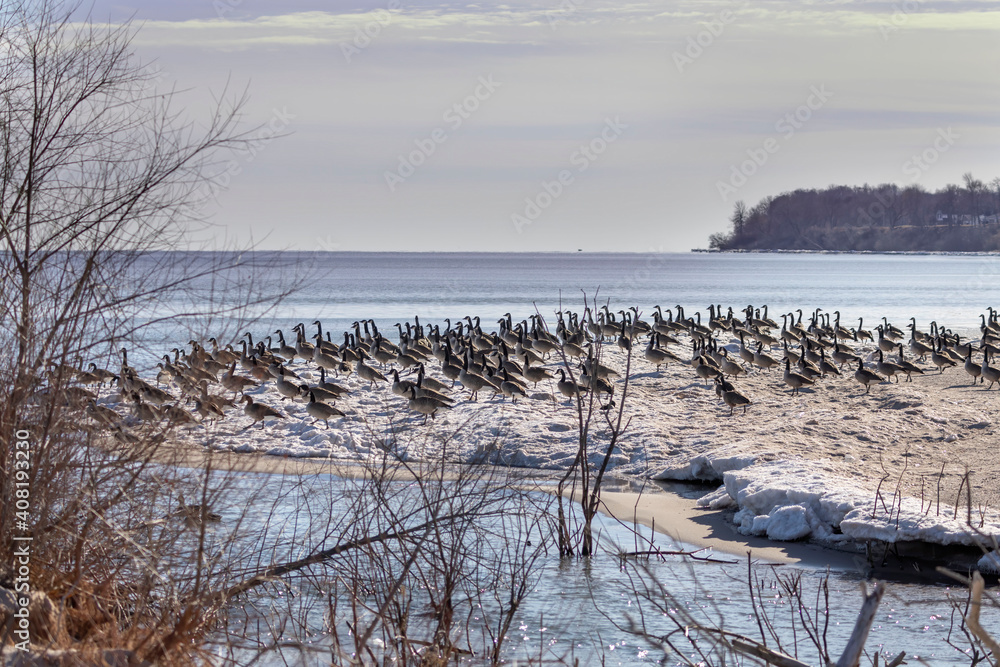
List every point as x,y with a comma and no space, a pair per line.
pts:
557,125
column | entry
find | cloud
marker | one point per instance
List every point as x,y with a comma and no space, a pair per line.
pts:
565,66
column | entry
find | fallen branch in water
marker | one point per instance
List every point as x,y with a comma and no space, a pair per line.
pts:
690,554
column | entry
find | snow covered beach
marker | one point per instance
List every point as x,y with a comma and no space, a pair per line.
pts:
830,462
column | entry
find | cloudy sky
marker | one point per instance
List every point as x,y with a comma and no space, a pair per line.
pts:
565,124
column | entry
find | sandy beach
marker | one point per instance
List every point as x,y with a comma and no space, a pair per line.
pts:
833,464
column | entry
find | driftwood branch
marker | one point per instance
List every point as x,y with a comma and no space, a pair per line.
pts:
972,619
852,653
771,656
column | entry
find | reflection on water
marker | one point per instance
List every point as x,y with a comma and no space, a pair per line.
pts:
583,609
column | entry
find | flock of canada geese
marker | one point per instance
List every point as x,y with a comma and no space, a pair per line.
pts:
428,363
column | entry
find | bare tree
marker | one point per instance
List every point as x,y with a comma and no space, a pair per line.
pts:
739,217
100,174
974,187
595,446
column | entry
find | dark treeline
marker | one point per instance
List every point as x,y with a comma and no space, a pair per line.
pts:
957,218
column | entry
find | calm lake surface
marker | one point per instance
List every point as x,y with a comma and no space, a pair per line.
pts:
341,288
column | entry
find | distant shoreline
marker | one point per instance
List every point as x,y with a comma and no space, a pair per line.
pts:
782,251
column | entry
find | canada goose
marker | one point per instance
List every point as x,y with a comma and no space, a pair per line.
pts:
918,349
841,333
734,399
236,383
908,367
101,414
103,376
721,385
596,384
331,387
764,338
176,415
730,367
401,387
961,349
471,380
223,356
825,367
405,359
318,410
840,356
511,389
790,354
746,354
328,346
567,388
381,354
809,370
542,344
195,513
989,372
535,374
303,349
795,380
425,382
155,396
285,351
887,368
208,411
890,331
368,373
624,340
594,367
940,360
705,371
258,412
425,389
972,368
322,357
287,389
861,333
866,377
144,411
763,360
654,354
885,343
449,369
425,404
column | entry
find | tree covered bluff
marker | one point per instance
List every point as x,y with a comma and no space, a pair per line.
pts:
881,218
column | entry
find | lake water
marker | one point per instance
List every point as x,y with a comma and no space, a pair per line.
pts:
340,288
